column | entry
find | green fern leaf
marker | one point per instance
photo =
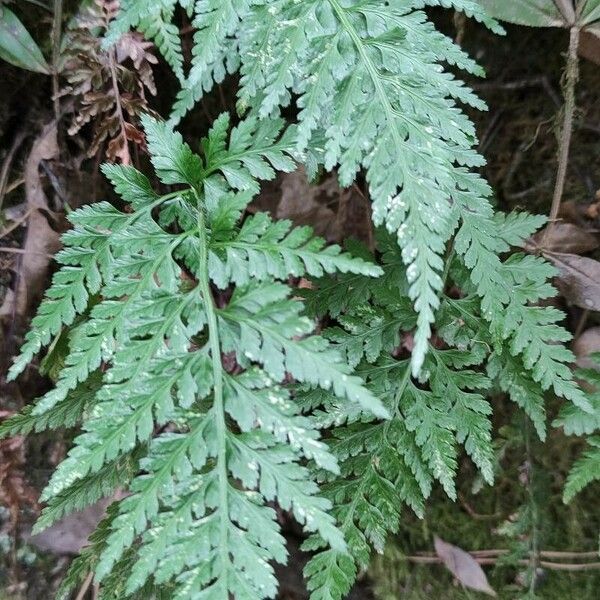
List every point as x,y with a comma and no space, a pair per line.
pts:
201,448
584,471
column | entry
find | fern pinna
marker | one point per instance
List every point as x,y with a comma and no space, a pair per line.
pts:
193,404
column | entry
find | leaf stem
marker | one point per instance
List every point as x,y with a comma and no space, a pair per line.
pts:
218,405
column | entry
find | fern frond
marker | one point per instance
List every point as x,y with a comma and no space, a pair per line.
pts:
202,447
387,464
276,250
584,471
88,490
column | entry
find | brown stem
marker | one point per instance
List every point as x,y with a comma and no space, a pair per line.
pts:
543,553
553,566
10,250
56,35
571,76
569,567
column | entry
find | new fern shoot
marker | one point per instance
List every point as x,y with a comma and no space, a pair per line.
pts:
194,371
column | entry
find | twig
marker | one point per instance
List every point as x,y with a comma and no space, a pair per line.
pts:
546,564
17,141
534,554
470,510
543,553
54,183
10,250
581,324
569,566
40,4
490,133
562,554
571,76
16,224
84,587
11,187
518,84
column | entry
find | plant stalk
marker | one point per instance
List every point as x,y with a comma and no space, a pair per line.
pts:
56,36
571,77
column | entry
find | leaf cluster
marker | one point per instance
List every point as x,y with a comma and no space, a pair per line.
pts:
194,369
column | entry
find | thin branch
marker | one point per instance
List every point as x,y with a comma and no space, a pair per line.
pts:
558,554
5,170
40,4
571,76
546,564
85,587
11,187
10,250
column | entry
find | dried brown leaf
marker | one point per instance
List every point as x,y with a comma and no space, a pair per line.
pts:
71,533
565,237
463,566
118,150
578,280
333,212
586,344
15,491
41,241
304,205
589,46
107,87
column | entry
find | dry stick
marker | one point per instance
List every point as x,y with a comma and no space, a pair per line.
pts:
10,250
56,35
495,552
582,322
11,187
571,76
17,223
18,140
85,586
543,553
534,556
